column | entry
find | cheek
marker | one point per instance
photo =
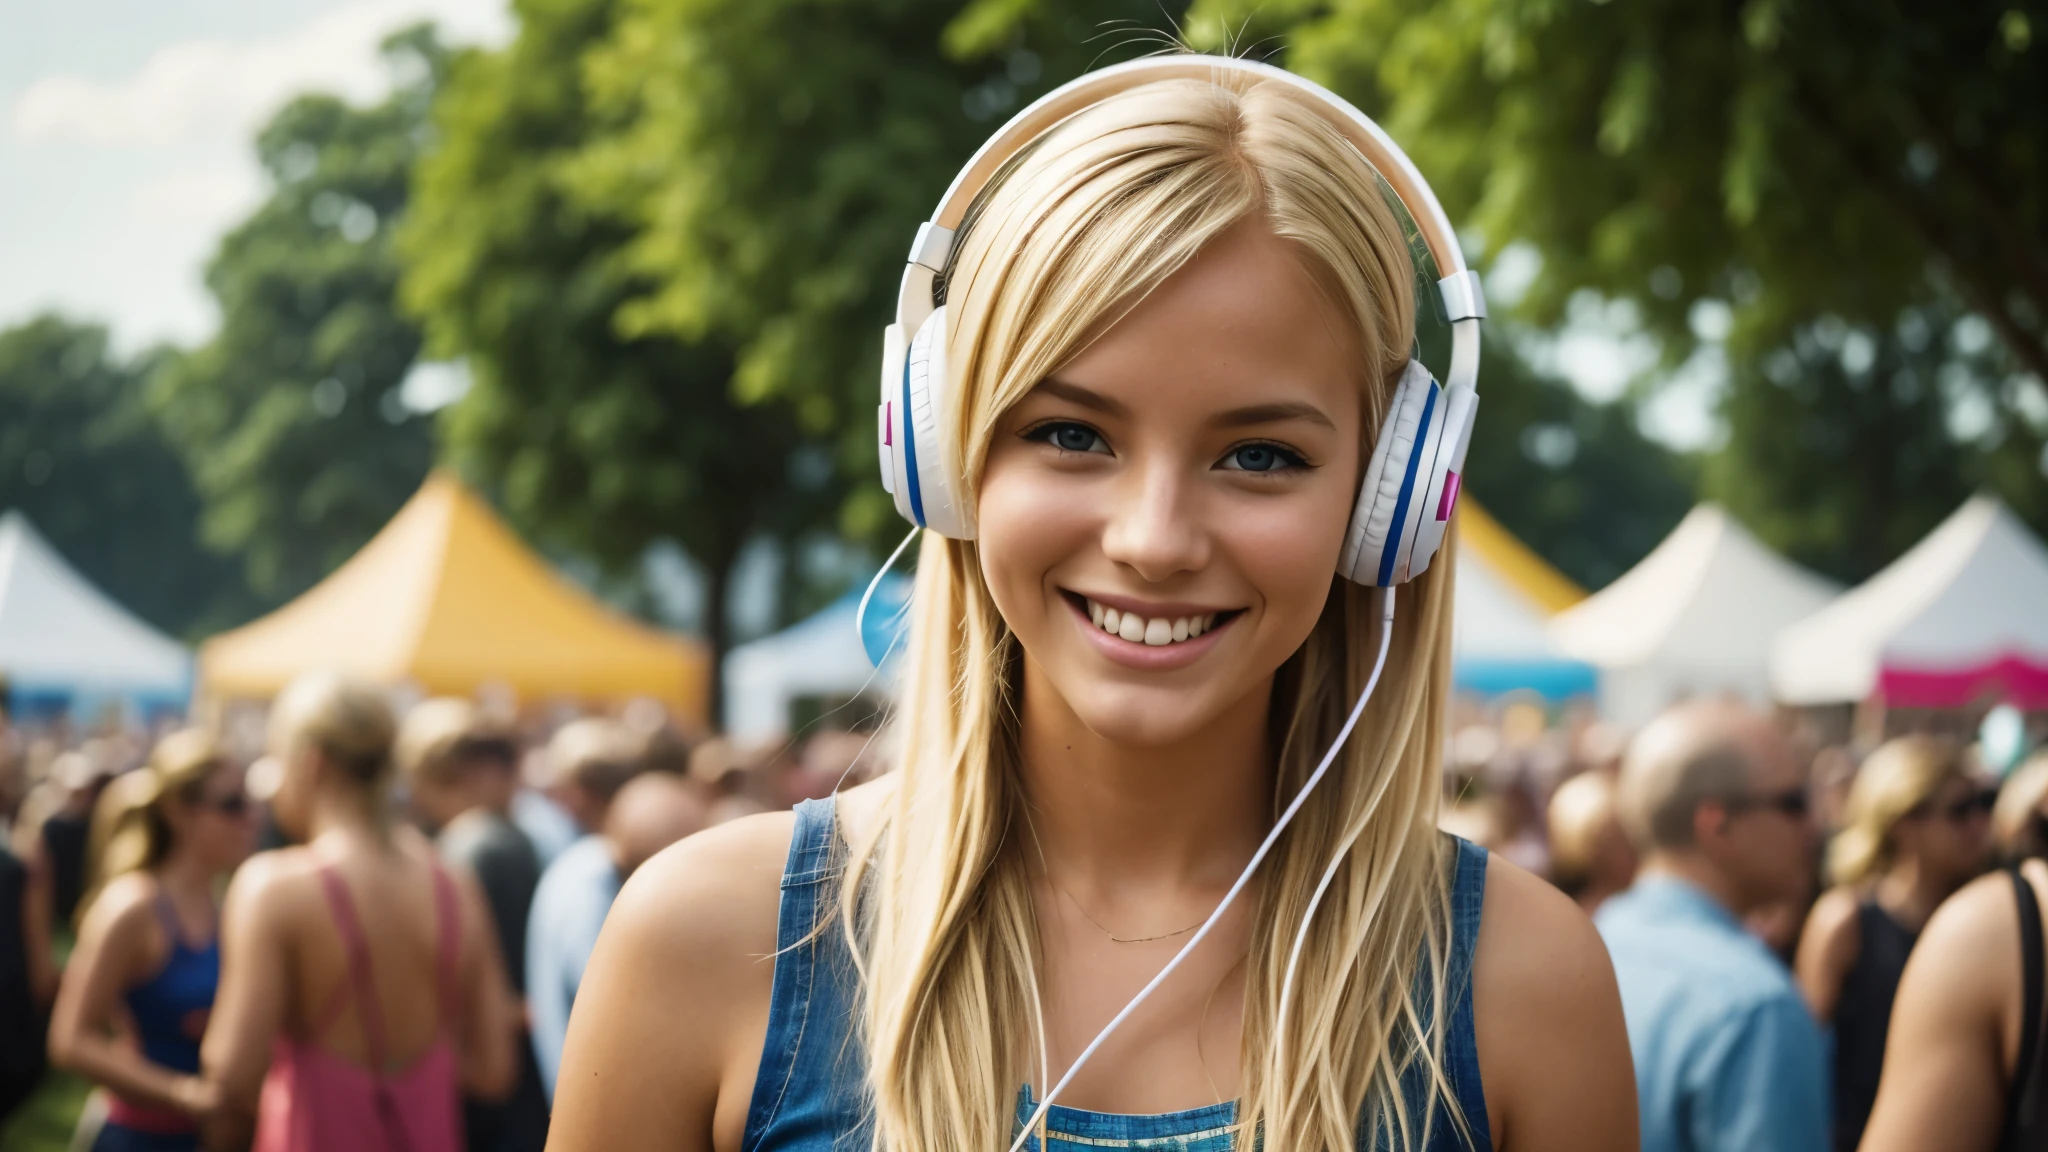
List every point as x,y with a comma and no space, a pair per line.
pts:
1026,525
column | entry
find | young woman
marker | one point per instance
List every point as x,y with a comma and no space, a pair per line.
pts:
148,954
1176,325
362,991
1917,830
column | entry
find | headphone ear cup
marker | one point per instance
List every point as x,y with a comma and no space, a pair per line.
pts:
930,494
1379,521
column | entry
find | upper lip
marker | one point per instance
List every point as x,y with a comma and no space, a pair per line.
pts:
1151,609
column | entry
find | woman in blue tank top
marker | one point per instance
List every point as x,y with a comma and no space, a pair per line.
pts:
1149,388
148,943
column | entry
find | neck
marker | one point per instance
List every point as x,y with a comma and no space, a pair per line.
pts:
348,814
1156,817
1699,872
1911,892
182,873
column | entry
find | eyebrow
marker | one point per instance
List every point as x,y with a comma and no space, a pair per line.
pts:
1273,413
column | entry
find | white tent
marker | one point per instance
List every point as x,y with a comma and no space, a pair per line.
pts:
824,655
1962,616
1694,617
60,636
1506,597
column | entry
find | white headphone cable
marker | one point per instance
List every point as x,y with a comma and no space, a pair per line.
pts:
860,614
1279,826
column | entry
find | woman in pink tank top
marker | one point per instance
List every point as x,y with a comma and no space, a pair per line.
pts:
360,996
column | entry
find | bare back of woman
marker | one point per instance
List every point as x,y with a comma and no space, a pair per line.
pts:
360,993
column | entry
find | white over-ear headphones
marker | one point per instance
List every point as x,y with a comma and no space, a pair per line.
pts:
1411,485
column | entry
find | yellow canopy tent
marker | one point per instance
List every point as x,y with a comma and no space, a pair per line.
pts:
447,598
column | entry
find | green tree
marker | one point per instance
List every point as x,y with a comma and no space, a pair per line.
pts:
773,159
597,436
291,417
1813,167
81,456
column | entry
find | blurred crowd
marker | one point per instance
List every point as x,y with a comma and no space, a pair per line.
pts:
442,872
433,864
1760,894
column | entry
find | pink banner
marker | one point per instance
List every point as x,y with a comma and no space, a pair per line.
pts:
2010,678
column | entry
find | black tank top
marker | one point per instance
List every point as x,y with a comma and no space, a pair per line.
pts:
2026,1116
1863,1015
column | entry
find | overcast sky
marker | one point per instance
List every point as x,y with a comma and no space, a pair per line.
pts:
125,138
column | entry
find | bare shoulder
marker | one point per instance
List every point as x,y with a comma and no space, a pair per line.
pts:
126,906
1969,954
708,902
1534,938
1834,914
1553,1048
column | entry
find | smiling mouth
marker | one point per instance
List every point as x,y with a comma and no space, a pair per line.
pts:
1153,631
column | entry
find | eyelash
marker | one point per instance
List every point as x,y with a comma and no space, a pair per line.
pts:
1289,460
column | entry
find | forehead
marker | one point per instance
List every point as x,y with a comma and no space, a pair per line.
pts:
1243,322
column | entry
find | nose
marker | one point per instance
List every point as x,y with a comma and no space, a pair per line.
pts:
1154,525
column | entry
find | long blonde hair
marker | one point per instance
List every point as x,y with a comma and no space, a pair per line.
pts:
130,832
937,896
1900,776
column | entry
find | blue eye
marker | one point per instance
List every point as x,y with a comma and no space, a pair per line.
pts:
1260,458
1069,437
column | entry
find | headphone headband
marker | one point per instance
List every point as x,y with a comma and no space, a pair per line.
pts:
929,252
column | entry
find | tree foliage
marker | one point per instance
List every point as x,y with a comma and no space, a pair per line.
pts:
603,437
81,456
1809,167
291,418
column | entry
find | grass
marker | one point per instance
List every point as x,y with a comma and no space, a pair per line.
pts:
45,1120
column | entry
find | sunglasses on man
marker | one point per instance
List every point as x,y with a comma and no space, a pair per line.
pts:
1792,802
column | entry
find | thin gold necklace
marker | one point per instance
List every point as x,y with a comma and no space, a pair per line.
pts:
1113,937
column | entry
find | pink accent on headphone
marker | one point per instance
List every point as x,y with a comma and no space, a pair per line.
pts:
1449,499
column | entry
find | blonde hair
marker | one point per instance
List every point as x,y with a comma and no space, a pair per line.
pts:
130,832
430,737
1900,776
937,896
347,721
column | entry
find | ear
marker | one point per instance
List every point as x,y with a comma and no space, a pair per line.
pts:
1709,821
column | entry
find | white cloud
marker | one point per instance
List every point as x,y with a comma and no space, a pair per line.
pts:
199,90
203,199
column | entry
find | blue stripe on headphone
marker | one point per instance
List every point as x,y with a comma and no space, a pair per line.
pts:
910,448
1393,546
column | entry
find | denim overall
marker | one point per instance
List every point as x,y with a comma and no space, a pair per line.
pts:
808,1095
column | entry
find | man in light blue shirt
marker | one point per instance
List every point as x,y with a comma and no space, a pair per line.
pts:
1727,1056
652,811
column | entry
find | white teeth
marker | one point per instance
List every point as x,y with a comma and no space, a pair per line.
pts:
1155,633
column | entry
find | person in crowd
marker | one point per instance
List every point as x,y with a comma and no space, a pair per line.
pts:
1181,317
1915,831
461,774
2019,821
1966,1067
591,759
652,811
148,956
1727,1056
1591,858
361,992
23,1021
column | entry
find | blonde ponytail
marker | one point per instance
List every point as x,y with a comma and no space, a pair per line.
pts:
130,832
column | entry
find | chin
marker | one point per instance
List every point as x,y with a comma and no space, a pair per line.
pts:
1144,716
